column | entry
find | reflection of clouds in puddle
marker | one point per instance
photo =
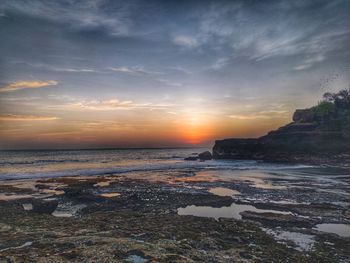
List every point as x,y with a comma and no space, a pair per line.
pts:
342,230
27,206
267,201
36,189
288,202
42,193
110,195
21,184
61,214
271,179
195,187
104,181
26,244
52,191
102,184
260,183
232,211
197,178
258,179
136,259
13,196
303,242
222,191
266,185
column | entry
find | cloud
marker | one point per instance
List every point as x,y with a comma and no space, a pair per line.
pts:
122,69
103,105
14,117
302,67
276,111
20,99
252,31
80,16
112,104
137,70
308,63
56,69
170,83
83,70
220,63
185,41
27,84
249,117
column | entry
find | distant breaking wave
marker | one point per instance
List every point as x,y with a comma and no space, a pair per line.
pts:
161,166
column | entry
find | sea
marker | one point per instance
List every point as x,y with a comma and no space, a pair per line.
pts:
250,181
33,164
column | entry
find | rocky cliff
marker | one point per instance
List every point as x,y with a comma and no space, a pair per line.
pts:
320,134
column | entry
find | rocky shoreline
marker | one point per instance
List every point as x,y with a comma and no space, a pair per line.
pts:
318,135
120,219
257,149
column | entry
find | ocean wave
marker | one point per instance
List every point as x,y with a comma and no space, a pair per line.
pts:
41,162
210,165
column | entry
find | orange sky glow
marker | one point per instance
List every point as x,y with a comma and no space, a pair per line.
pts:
111,74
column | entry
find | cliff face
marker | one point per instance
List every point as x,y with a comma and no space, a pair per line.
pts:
310,138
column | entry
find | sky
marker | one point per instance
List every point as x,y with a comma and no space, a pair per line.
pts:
104,73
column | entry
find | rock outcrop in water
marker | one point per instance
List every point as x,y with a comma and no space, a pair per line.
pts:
205,156
319,135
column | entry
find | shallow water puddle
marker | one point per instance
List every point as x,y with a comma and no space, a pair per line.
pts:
266,185
10,197
67,210
21,184
53,191
342,230
288,202
222,191
102,184
61,214
302,241
26,244
232,211
110,195
136,259
27,206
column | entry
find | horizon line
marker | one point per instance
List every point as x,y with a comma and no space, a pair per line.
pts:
104,148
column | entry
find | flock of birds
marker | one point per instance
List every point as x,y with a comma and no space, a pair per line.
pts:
327,82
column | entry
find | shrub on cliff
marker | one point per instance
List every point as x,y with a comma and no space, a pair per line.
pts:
324,110
340,99
333,111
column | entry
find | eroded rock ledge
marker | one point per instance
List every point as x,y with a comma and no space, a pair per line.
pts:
318,135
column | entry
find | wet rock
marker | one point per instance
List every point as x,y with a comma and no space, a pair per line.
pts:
44,206
191,158
245,255
205,156
142,225
4,227
278,219
70,255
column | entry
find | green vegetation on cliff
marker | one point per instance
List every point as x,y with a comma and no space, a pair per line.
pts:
320,134
332,113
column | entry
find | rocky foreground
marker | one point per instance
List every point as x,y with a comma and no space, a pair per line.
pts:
115,219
